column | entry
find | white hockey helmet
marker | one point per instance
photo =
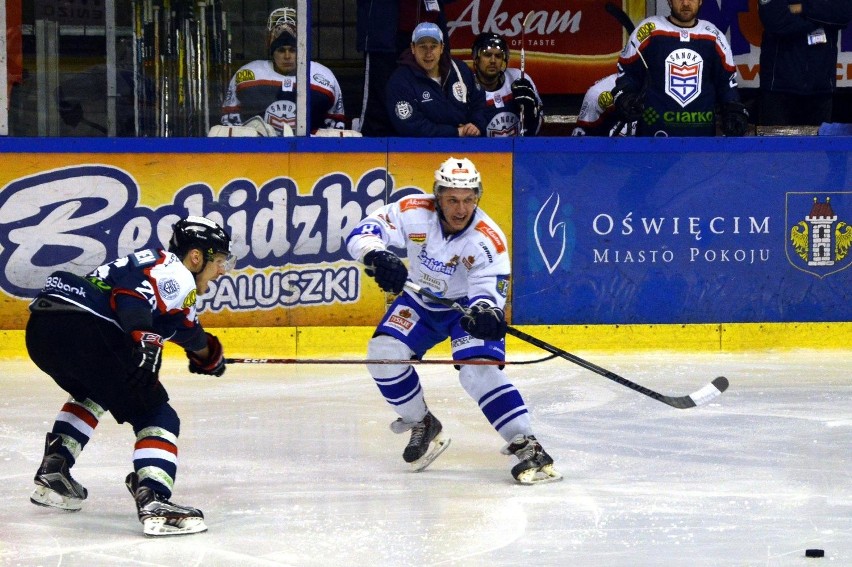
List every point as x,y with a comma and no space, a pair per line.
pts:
457,173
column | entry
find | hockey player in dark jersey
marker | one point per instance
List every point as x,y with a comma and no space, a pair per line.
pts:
267,87
673,74
100,337
509,94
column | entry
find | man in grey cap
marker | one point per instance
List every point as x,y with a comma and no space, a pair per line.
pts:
431,94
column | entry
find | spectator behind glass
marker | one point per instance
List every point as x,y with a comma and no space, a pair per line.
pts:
674,72
384,30
267,87
798,59
508,96
431,94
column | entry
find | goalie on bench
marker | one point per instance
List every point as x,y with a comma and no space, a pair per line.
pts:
267,87
455,250
100,337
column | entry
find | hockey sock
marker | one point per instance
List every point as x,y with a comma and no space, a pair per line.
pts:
398,383
76,424
498,399
155,452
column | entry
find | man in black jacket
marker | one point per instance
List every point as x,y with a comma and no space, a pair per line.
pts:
798,59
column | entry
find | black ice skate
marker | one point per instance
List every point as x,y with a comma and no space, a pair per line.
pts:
535,465
160,517
54,486
426,441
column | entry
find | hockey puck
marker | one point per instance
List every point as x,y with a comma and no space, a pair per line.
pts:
814,553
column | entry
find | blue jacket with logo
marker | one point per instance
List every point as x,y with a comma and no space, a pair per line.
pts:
420,107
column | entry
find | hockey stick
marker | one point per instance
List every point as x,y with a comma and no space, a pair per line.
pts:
522,129
625,21
621,16
474,362
699,397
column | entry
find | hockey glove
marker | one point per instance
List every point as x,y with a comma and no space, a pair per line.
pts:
524,94
147,357
387,269
628,105
734,119
214,364
484,322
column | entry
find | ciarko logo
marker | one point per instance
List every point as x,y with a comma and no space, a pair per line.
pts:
818,239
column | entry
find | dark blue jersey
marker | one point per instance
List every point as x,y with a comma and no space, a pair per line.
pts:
148,290
689,72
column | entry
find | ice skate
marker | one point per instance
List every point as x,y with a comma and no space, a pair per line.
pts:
54,486
160,517
426,441
534,464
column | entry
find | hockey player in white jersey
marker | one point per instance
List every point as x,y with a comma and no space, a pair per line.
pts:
509,94
597,115
267,87
455,251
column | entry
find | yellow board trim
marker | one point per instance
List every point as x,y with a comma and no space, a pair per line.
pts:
340,342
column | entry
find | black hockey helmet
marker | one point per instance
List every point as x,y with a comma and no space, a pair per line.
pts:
202,234
489,39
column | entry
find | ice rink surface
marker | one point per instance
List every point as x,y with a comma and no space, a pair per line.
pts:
295,465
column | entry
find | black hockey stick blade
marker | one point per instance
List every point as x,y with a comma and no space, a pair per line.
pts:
697,398
621,16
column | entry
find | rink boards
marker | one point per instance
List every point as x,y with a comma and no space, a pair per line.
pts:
624,242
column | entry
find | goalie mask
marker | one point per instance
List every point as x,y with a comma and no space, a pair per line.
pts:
457,173
202,234
281,29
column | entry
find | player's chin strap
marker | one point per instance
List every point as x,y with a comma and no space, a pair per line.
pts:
699,397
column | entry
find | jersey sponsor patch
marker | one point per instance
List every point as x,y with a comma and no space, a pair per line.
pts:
403,110
605,100
244,75
416,203
417,237
169,288
503,285
403,319
190,299
684,68
492,235
645,31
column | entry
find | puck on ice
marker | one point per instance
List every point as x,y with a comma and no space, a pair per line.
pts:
814,553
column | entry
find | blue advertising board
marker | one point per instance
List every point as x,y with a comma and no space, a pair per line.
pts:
716,230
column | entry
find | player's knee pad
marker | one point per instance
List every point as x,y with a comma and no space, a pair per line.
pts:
477,380
386,347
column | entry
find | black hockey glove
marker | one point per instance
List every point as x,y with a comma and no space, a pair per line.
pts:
628,105
734,119
387,269
524,94
484,322
147,357
214,364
